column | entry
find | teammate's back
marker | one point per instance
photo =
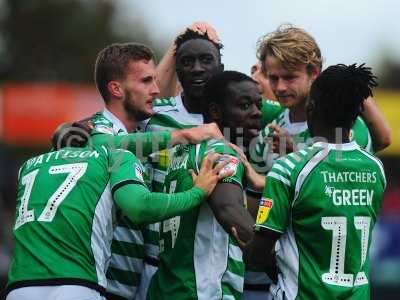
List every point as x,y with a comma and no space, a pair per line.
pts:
333,196
320,204
63,223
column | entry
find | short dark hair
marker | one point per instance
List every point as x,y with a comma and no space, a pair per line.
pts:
339,91
112,62
216,89
191,35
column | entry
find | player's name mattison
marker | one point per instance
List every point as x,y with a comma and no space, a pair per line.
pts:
61,154
363,177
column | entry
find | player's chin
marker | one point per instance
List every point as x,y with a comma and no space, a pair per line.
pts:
149,110
287,102
251,132
146,113
249,136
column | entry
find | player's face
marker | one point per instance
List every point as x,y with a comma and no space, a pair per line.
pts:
242,110
290,87
197,61
262,81
140,89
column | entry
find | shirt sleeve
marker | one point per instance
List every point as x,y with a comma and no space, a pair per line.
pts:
142,144
142,206
125,169
274,208
361,135
234,164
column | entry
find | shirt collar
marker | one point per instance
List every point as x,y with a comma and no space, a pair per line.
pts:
342,147
117,124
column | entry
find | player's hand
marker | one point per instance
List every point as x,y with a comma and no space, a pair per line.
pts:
196,135
253,179
282,143
204,28
209,176
76,134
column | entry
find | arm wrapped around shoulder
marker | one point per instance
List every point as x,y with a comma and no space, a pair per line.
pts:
74,134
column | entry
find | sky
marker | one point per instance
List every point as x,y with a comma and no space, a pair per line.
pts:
347,31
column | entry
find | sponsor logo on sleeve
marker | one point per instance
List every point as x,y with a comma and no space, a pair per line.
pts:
139,172
231,165
263,210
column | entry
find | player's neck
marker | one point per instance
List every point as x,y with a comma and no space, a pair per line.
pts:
332,135
118,111
298,113
193,105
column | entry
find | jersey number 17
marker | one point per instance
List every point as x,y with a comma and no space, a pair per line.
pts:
74,171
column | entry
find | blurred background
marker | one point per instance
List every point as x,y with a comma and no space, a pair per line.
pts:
48,49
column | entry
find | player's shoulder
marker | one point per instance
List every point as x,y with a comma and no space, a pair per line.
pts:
119,152
99,119
287,168
101,124
374,163
359,127
267,103
270,110
360,121
217,146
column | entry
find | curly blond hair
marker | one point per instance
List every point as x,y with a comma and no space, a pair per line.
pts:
292,47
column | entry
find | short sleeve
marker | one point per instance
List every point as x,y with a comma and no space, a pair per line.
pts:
234,164
361,135
124,169
274,207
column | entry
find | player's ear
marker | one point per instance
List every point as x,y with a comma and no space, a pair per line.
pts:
115,89
214,112
313,71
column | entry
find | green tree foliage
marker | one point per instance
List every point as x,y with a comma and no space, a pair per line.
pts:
57,40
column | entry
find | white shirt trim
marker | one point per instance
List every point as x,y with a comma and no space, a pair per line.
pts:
295,127
341,147
117,124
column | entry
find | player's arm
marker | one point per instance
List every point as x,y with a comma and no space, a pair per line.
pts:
142,206
259,253
253,179
272,219
142,144
377,124
226,202
255,182
166,77
165,72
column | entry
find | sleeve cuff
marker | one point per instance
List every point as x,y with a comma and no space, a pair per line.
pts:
261,228
199,192
125,182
